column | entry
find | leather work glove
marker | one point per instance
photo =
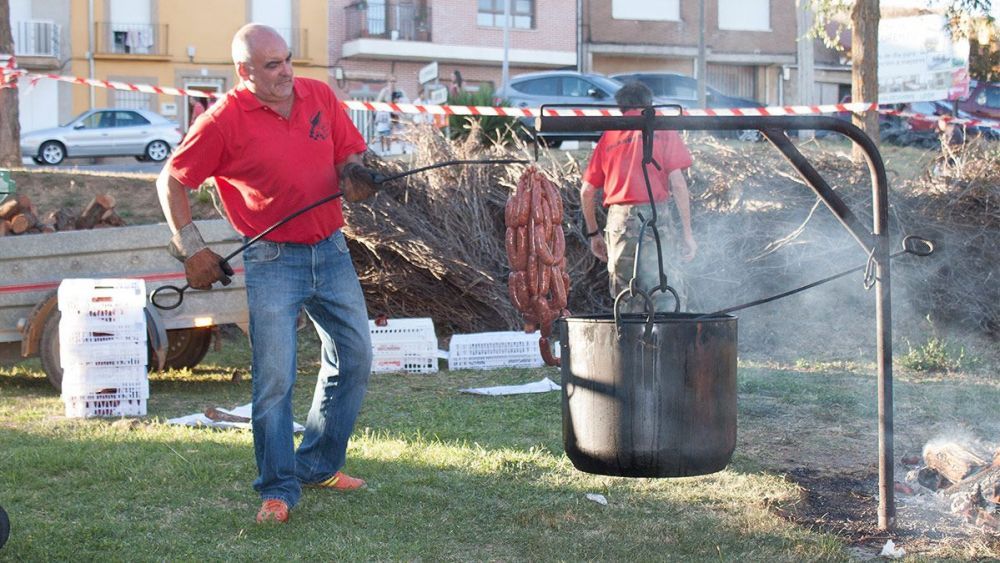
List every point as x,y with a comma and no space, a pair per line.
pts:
205,268
359,182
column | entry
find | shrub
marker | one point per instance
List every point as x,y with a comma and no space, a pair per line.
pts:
491,128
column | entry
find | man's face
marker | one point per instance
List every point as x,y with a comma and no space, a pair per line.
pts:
269,73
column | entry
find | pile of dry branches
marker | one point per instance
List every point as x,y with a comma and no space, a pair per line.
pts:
958,203
432,245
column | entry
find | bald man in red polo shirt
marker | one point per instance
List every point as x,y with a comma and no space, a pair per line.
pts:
275,144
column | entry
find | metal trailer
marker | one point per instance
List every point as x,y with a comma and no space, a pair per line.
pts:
34,265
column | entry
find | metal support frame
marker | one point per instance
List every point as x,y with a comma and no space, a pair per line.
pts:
875,243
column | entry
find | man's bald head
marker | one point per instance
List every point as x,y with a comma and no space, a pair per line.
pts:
247,37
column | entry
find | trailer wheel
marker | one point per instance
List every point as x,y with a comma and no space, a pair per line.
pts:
4,526
186,347
48,349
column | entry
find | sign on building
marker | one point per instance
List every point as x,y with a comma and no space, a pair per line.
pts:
919,61
428,73
438,95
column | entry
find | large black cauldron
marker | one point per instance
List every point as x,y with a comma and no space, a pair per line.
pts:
649,397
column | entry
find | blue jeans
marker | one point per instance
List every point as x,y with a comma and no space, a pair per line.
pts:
281,279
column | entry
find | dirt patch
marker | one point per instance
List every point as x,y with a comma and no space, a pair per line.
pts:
135,194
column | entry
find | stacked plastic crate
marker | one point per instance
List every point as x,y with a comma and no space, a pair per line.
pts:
408,345
494,350
102,347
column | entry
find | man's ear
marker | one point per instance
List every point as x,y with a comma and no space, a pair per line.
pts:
243,70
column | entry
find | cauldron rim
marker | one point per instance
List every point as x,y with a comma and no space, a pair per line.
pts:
642,318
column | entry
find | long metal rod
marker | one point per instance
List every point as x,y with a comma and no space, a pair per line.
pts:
876,243
780,140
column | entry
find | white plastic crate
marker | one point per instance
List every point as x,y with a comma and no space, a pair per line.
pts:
78,381
119,402
494,350
404,345
102,323
76,330
87,294
103,353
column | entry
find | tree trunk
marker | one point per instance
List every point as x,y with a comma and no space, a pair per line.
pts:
864,61
10,128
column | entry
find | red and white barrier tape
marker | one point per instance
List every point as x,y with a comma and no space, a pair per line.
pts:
599,112
11,73
8,77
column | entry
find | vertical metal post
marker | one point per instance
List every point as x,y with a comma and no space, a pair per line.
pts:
702,64
883,311
505,67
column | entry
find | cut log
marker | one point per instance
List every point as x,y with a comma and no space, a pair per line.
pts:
23,222
112,219
4,227
953,460
96,209
987,481
13,206
60,220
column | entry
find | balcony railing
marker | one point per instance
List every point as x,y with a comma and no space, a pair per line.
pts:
297,39
407,21
131,39
36,38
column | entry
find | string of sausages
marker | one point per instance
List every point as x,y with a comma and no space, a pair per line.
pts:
536,248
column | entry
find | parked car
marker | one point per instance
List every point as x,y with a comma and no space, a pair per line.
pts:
534,89
983,100
958,131
104,132
674,88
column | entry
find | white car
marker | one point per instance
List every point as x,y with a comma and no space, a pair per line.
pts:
104,132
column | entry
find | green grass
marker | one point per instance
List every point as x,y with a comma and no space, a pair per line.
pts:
452,476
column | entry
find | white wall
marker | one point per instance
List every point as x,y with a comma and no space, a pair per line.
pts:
745,15
649,10
130,11
20,10
38,105
275,13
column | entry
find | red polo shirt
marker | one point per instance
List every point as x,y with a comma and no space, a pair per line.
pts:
268,167
616,165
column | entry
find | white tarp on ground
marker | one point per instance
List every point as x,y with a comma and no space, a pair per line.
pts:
542,386
199,419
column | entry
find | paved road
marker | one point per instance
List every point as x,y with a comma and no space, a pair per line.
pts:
122,164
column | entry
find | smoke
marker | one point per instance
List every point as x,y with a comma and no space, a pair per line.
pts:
762,231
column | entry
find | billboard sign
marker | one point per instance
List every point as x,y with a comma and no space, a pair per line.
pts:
918,60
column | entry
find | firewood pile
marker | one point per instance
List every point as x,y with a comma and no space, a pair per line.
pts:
434,244
965,473
18,216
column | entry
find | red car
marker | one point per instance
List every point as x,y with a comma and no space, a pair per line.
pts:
983,99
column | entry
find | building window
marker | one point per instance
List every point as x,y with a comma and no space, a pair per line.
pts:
522,13
745,15
648,10
133,100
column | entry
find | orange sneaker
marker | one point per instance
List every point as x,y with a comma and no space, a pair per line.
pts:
340,482
273,509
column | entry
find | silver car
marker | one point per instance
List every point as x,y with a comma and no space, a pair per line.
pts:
532,90
104,132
